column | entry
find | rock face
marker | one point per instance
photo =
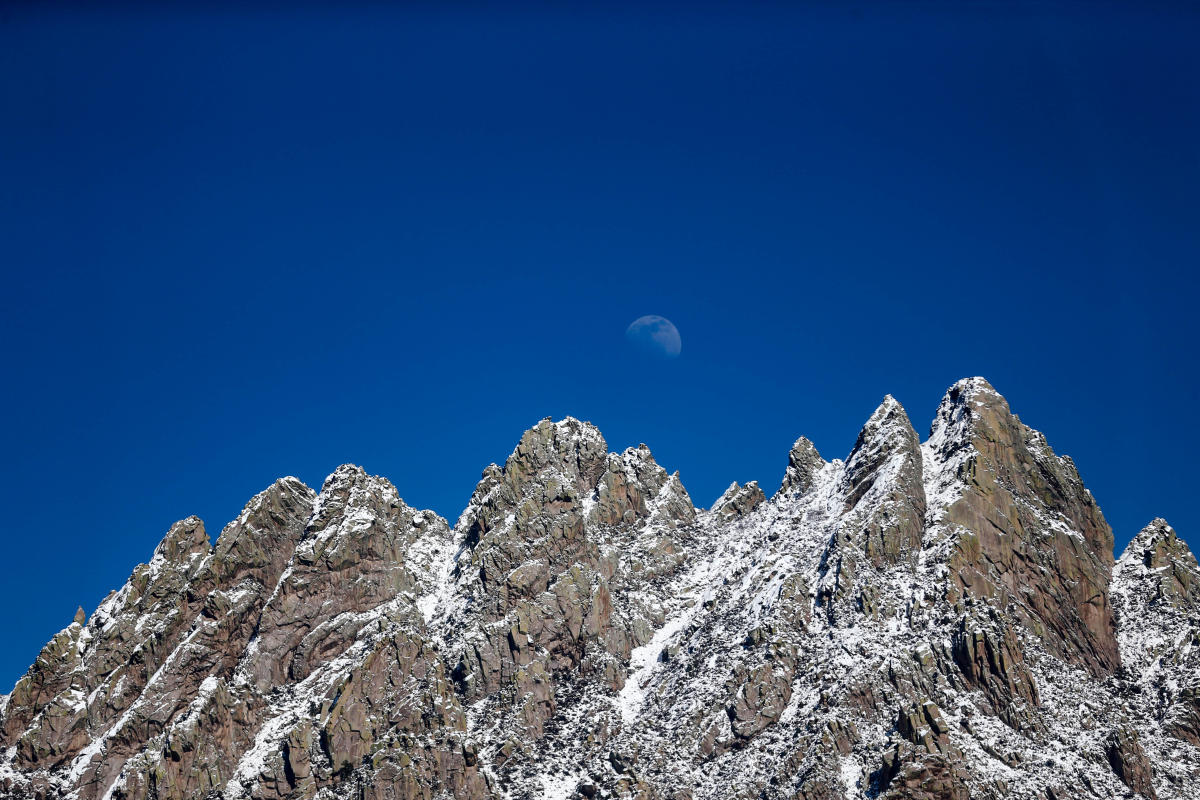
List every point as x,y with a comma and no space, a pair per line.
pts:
1031,537
937,619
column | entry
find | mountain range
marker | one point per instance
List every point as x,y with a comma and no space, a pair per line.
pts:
924,619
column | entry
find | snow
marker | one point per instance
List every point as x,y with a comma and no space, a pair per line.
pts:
9,775
589,503
81,762
106,614
157,565
284,713
642,663
561,786
432,558
85,637
946,450
851,773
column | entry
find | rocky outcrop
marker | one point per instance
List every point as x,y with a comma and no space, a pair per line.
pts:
921,620
804,462
886,464
925,763
350,560
738,501
991,658
1156,594
1129,762
1030,536
882,496
1161,561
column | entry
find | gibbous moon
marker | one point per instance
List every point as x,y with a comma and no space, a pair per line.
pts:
655,335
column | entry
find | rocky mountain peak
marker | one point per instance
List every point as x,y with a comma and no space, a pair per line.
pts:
920,620
804,462
258,544
1158,571
965,408
1026,533
575,450
186,538
738,500
1160,550
887,438
884,488
1156,596
974,391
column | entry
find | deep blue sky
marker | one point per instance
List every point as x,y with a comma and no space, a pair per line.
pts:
237,246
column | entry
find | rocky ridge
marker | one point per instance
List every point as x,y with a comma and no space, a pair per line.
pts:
924,619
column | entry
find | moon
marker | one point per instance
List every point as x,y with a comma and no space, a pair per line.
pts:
655,335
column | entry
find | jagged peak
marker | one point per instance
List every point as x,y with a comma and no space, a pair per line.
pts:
570,449
803,444
351,492
972,412
577,428
974,391
886,438
639,465
343,475
1156,578
888,430
574,448
1157,544
1157,528
349,481
738,500
565,458
887,407
281,487
283,492
568,432
655,492
962,410
672,504
292,485
183,539
641,453
804,462
882,482
730,492
889,412
973,388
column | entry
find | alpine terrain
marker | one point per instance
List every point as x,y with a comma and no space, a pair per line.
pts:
924,619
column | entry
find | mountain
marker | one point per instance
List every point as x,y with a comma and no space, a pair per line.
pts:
936,619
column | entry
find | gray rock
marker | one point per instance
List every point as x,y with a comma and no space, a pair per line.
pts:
738,501
923,620
804,462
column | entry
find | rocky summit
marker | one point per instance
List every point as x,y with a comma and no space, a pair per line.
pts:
925,619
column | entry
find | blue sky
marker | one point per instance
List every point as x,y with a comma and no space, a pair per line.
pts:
240,245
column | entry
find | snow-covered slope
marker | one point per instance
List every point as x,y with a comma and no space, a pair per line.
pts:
937,619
